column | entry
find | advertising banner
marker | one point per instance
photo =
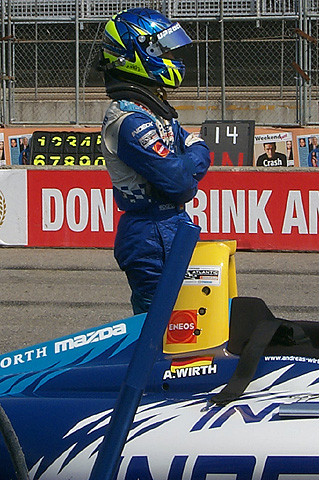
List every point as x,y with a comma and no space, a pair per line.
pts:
308,150
261,210
264,211
13,207
71,208
2,151
274,149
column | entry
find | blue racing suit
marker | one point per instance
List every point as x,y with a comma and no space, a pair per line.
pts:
155,166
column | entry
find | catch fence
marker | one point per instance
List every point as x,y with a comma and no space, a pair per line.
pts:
250,60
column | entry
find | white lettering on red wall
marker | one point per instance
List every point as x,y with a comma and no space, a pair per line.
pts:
71,208
261,210
236,210
233,211
295,213
78,210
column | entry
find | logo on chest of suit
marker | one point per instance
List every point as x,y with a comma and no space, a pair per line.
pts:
160,149
141,128
149,138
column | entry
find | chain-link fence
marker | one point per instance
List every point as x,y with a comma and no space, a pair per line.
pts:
255,60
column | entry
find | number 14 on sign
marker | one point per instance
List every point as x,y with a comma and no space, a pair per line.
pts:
230,132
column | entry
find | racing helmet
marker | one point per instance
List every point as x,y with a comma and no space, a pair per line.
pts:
135,48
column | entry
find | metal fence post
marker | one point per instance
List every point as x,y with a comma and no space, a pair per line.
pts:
77,61
207,67
9,61
3,66
222,55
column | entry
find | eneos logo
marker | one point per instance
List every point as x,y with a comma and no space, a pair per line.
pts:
181,327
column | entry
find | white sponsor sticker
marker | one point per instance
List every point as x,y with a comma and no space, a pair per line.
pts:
203,275
142,127
149,138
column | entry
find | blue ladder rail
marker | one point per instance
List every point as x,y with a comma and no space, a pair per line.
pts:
145,353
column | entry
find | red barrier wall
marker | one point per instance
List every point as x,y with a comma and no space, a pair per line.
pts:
261,210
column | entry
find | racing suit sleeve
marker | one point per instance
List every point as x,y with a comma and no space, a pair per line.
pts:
174,171
195,149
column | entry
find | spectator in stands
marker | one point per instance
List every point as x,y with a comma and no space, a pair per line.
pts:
271,158
154,164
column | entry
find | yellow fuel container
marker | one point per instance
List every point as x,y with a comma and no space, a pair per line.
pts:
200,319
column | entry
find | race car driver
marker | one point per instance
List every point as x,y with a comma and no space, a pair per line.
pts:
154,164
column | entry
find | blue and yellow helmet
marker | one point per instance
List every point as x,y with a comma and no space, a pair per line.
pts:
136,46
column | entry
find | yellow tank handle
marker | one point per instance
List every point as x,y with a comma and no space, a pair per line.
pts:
200,319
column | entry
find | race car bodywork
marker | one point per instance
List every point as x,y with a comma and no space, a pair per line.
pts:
61,395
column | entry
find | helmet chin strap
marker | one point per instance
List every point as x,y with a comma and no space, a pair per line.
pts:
156,101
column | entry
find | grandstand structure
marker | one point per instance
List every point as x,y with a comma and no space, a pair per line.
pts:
251,60
92,9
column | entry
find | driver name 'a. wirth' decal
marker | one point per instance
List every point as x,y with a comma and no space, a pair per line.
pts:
191,367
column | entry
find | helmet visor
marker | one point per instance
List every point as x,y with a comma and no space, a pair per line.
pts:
168,39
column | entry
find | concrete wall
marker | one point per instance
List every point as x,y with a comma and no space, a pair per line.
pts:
270,112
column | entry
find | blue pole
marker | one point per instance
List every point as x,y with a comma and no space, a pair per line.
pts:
145,353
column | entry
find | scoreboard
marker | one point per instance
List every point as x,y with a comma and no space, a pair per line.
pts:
66,148
231,143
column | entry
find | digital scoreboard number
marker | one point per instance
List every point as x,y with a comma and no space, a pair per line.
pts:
66,148
230,143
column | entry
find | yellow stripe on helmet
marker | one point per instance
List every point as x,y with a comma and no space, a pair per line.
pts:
110,27
136,67
171,70
139,30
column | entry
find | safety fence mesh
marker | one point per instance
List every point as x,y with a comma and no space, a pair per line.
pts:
50,52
